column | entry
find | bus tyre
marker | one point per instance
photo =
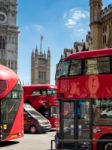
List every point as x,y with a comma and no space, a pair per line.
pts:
105,145
33,129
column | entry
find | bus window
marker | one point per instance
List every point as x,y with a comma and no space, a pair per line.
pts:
43,92
36,93
54,111
83,113
39,92
97,65
75,67
14,94
64,68
58,70
51,92
45,111
91,66
68,120
102,110
104,64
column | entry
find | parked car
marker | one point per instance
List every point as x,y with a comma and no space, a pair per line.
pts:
107,112
34,122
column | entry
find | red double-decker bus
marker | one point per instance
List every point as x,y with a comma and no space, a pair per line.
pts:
84,91
43,97
11,105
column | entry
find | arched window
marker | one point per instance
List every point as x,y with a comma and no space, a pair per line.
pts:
9,64
12,65
2,42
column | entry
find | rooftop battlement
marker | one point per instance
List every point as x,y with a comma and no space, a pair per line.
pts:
40,54
107,10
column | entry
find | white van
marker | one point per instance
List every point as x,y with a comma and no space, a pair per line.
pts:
34,122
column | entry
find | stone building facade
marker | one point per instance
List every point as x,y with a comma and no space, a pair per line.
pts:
100,35
40,67
77,47
8,34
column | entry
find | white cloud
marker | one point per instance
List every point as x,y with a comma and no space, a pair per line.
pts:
73,16
81,30
35,27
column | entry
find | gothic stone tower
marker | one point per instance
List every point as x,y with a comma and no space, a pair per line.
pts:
95,22
100,25
40,67
8,34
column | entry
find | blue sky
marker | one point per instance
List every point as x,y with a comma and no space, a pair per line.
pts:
61,22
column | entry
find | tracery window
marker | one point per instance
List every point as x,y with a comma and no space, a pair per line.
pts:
2,42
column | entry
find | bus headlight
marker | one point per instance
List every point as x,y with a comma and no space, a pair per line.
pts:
95,130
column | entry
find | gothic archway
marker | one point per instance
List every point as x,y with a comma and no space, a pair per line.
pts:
2,42
109,42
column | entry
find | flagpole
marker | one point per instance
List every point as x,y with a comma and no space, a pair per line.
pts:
41,38
40,44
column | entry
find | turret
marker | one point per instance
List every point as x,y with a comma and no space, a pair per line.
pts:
48,53
95,23
36,52
33,55
44,54
95,11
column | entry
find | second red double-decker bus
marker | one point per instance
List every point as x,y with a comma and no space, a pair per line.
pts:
43,98
84,91
11,105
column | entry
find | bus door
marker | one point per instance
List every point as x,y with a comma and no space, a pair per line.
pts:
75,123
84,122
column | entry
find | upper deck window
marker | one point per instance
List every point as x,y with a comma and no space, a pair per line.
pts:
97,65
104,64
51,92
91,66
36,93
58,70
75,67
39,92
64,68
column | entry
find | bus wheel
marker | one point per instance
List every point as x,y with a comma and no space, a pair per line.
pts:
108,146
105,145
33,129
